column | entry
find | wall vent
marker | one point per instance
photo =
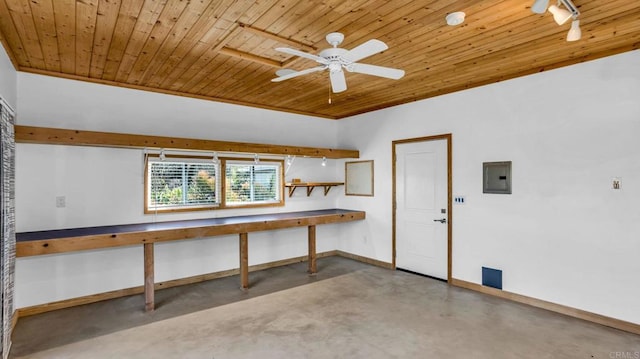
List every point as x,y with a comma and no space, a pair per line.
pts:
492,277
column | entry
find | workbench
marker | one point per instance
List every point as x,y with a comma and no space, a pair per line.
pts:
146,234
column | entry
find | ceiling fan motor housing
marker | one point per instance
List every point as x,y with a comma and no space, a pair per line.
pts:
335,57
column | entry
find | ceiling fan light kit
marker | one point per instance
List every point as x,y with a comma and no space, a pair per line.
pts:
561,16
336,60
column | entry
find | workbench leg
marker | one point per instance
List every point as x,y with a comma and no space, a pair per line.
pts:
244,260
312,250
149,293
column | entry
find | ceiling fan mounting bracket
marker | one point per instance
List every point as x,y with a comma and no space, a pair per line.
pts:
335,38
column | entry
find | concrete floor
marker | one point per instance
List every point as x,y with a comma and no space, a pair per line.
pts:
349,310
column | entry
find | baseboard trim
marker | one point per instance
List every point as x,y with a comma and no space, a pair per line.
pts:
93,298
554,307
14,320
366,260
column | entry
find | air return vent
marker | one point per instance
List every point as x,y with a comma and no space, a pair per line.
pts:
492,277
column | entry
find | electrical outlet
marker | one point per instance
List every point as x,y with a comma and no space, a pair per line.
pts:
61,202
459,200
616,183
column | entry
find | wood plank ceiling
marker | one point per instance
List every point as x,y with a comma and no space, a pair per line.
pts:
224,50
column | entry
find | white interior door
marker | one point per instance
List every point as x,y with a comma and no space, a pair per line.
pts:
421,207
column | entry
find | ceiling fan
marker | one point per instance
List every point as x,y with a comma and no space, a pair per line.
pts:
335,59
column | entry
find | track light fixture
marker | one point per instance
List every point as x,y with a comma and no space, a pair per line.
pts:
324,161
561,15
574,33
215,159
162,156
540,6
256,159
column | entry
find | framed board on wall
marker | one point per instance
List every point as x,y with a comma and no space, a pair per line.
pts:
358,178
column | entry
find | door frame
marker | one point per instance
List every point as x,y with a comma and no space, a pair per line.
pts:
446,137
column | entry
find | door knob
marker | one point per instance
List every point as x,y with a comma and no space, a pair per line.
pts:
444,220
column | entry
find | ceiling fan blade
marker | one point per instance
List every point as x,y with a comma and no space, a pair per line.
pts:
374,70
307,55
283,72
291,74
338,82
366,49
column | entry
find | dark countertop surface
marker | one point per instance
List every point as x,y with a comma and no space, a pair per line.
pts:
160,226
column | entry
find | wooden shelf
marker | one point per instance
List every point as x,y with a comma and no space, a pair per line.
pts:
57,136
311,185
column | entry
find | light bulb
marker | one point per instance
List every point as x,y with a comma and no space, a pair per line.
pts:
324,161
559,15
574,33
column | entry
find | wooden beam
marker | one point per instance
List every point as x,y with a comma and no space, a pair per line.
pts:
251,57
277,38
313,269
56,136
244,261
149,294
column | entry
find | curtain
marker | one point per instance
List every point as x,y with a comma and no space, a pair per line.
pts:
8,246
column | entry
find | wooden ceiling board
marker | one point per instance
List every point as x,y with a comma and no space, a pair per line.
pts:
20,14
10,38
224,50
206,48
46,33
199,36
164,25
105,26
127,18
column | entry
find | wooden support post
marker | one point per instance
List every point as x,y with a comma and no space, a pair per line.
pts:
149,293
244,260
312,250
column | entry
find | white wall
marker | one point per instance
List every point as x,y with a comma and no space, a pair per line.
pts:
563,235
104,186
7,79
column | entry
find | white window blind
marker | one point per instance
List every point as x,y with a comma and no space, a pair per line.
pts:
248,183
182,184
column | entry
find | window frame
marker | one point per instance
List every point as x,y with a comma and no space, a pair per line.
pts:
221,184
251,162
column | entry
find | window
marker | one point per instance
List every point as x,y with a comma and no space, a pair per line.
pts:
197,183
181,184
252,183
